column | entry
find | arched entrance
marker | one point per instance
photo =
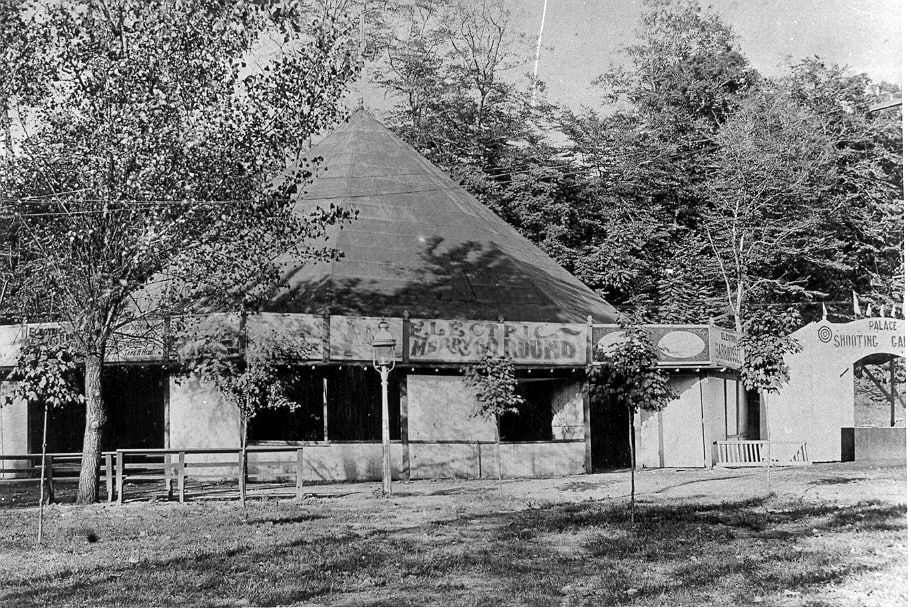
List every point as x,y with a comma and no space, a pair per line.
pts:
879,391
817,403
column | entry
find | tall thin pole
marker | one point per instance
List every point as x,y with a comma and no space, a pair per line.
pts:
892,391
538,52
43,477
387,468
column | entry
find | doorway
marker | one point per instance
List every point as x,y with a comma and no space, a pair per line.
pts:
610,435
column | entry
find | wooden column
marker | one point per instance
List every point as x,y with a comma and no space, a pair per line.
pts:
403,425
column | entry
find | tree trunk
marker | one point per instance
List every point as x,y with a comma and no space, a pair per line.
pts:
499,459
95,419
632,467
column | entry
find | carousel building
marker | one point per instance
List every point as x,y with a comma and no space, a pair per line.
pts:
452,280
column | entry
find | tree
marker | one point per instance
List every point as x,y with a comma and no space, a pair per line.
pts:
628,375
766,202
47,376
493,380
155,175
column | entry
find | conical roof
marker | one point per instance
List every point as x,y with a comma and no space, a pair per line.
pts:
420,243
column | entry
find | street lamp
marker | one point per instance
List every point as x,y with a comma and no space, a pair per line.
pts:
383,362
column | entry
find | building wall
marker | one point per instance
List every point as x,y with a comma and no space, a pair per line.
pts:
673,437
445,441
199,417
13,431
818,400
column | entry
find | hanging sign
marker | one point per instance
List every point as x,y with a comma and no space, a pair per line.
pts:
545,343
351,338
443,340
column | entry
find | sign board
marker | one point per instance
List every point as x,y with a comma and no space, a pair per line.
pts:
545,343
351,338
223,328
292,337
443,340
681,345
725,347
138,341
877,333
11,338
678,345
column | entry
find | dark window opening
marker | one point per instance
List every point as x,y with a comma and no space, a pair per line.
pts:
134,402
355,405
534,420
304,387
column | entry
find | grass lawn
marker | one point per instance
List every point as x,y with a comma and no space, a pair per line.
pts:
831,535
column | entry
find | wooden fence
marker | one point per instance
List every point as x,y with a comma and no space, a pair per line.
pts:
759,453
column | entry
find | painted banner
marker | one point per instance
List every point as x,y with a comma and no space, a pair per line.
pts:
725,347
351,338
138,341
289,336
678,345
681,344
545,343
443,340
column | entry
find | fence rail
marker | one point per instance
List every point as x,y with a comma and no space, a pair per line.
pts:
759,453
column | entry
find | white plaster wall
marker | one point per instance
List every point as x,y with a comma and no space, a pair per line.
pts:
199,417
331,462
818,400
439,408
673,437
13,431
443,436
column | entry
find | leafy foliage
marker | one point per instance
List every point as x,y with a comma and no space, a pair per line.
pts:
493,381
252,380
156,173
629,376
44,374
764,346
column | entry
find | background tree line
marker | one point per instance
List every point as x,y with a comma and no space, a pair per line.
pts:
701,188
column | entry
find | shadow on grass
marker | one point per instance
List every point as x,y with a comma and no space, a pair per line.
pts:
674,554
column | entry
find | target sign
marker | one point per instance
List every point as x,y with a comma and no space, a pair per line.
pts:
825,334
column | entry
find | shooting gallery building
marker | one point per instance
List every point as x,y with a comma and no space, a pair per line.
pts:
452,280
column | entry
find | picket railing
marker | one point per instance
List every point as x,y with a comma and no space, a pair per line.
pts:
759,453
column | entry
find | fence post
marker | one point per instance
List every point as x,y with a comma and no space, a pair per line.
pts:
119,476
181,476
241,478
109,477
300,473
480,470
49,477
768,467
166,461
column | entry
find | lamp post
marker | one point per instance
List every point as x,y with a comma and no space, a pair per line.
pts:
384,362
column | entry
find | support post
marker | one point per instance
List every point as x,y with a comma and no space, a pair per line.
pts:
119,476
181,476
109,476
768,467
387,466
892,392
300,474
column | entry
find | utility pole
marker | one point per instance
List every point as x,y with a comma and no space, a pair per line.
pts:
538,53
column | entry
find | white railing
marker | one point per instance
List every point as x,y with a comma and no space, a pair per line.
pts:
758,453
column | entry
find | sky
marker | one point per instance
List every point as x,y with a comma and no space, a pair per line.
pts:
585,36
